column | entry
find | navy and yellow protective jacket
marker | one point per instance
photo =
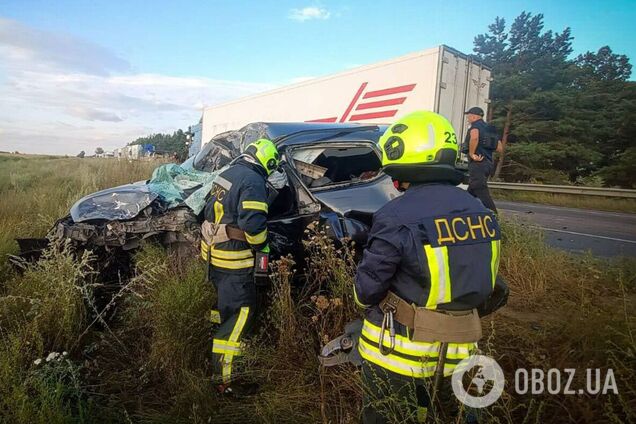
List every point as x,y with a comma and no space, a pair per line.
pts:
239,198
435,247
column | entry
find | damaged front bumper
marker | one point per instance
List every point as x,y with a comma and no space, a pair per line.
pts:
174,226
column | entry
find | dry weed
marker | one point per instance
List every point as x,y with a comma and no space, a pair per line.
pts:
147,358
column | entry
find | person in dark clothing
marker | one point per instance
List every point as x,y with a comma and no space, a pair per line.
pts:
234,232
432,256
480,144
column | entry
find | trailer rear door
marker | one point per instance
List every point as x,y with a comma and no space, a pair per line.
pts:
463,83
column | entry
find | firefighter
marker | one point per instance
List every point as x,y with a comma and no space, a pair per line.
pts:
431,259
234,242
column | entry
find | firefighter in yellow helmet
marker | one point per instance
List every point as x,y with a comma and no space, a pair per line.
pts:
431,259
235,244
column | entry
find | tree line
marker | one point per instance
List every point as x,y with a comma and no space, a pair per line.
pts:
167,143
563,119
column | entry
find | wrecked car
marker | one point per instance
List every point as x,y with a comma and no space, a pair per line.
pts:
330,173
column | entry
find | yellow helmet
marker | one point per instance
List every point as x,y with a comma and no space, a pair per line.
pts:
266,153
421,147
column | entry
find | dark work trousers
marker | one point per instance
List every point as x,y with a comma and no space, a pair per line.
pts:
478,173
236,295
391,398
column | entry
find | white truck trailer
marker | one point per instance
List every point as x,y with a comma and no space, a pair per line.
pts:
440,79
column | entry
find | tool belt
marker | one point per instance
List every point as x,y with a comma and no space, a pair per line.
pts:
218,233
430,325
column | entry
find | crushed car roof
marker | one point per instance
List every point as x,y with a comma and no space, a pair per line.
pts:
280,131
288,132
225,146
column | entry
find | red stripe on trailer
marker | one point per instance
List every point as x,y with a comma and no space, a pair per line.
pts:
373,115
381,103
353,102
387,91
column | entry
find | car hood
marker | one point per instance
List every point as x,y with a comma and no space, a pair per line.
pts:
117,203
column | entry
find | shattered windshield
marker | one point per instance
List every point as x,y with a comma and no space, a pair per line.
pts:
224,147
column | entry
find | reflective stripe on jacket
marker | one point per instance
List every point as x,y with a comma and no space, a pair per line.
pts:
409,358
435,247
239,198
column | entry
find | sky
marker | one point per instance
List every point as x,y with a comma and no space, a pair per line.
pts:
77,75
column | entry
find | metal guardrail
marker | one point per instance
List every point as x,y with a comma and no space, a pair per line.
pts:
564,189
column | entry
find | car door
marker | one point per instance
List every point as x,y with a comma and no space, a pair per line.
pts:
287,226
345,177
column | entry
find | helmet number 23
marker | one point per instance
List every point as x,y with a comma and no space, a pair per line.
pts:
450,137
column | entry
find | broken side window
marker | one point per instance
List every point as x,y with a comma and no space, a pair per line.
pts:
324,166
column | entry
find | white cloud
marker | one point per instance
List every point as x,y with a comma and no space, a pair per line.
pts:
22,46
61,95
310,12
90,114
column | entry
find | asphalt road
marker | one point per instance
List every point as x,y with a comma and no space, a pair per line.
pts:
578,230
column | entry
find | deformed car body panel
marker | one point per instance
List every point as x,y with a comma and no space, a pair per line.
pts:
113,204
124,216
365,197
347,207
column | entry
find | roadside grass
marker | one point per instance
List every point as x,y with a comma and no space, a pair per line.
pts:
565,311
145,356
42,315
36,191
599,203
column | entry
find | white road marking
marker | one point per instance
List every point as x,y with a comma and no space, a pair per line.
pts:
528,206
584,234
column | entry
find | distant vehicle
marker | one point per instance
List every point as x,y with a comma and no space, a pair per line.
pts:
440,79
133,152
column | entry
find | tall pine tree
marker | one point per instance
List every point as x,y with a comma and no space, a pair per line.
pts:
570,117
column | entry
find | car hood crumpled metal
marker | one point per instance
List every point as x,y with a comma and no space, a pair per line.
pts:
170,186
114,204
